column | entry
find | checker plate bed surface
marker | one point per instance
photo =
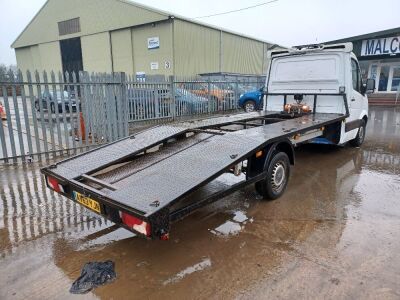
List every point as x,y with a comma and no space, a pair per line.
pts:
174,176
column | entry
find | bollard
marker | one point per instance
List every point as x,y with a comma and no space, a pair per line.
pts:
3,115
82,131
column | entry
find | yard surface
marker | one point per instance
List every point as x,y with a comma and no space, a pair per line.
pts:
334,234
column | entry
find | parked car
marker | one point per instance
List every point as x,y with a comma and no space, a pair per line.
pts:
146,103
251,101
189,103
56,101
217,95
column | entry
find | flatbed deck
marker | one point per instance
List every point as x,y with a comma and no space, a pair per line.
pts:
122,175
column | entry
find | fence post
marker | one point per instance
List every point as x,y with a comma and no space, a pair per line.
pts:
3,141
17,115
124,106
157,101
237,95
86,106
209,94
173,100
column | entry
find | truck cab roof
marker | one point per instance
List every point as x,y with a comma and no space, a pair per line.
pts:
314,48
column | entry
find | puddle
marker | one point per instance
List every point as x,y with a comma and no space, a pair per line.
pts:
234,226
339,218
240,217
205,263
117,235
228,228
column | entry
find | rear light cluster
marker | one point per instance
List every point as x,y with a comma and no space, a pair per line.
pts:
136,224
55,185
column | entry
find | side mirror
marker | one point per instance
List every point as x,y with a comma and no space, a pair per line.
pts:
370,86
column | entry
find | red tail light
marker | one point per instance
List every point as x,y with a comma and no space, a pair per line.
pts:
55,185
136,224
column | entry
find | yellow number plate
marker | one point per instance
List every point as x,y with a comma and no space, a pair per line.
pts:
86,201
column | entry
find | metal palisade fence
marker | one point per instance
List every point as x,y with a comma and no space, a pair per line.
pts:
46,115
170,98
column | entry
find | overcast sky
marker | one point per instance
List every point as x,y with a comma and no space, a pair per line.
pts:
286,22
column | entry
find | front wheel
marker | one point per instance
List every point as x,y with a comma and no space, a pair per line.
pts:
359,139
249,106
274,185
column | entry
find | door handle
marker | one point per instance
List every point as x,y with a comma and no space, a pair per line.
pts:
352,100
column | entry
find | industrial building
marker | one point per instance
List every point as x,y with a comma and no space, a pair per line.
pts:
123,36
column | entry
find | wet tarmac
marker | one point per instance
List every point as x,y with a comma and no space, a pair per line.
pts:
334,234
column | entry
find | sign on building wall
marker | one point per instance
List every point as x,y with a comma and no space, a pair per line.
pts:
140,76
154,65
153,42
382,46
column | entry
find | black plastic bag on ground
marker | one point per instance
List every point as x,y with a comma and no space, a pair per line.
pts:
93,274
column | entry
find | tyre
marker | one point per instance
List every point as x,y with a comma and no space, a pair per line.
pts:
274,185
52,108
249,106
359,139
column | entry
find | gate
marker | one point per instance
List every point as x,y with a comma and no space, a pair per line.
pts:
49,115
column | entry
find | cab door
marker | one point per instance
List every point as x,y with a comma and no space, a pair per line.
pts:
356,98
355,102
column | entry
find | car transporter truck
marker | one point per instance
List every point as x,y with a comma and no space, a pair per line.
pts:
148,180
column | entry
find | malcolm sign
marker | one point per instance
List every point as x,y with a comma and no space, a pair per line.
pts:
382,46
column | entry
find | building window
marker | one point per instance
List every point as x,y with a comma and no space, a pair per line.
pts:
69,26
396,79
383,79
374,69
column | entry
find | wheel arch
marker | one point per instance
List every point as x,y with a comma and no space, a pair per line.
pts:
258,165
248,99
287,147
365,118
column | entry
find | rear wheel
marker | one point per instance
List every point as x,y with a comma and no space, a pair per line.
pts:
359,139
249,106
274,185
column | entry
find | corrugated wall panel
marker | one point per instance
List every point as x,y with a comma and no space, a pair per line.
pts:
241,55
197,48
122,51
51,56
143,57
96,52
95,16
24,59
37,58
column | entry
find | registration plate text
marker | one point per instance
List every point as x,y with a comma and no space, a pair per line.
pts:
88,202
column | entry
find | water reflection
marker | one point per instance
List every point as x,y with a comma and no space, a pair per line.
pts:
29,210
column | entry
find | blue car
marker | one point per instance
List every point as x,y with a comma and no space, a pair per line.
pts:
189,103
251,101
